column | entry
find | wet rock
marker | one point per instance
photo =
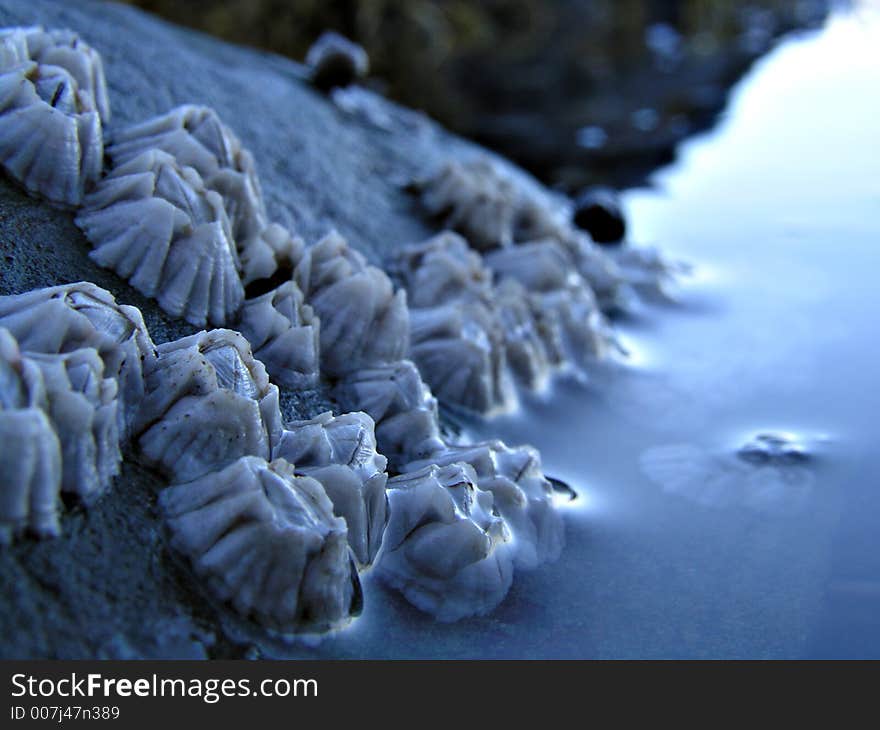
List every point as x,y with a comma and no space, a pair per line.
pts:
774,449
597,211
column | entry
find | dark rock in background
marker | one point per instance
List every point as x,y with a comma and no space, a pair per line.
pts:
579,92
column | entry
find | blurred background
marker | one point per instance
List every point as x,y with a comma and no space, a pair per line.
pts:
579,92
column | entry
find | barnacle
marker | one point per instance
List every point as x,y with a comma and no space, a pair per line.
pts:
208,402
445,549
566,314
340,452
364,322
475,199
525,345
609,284
647,270
336,61
69,317
441,269
523,496
459,349
284,334
196,137
30,454
455,333
266,541
81,404
400,404
155,223
53,98
65,49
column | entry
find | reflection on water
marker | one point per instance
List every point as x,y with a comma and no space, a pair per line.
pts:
683,542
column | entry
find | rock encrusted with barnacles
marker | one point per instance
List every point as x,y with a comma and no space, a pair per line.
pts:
277,508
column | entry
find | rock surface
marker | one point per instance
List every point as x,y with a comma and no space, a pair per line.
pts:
109,587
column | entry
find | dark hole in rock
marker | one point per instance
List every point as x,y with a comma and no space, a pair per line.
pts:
262,286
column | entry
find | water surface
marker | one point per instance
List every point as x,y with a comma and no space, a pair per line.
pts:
679,547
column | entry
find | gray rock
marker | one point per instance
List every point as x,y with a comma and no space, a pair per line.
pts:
108,585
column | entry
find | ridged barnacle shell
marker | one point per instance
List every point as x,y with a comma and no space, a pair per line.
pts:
82,406
647,270
474,198
340,452
445,549
459,348
70,317
266,541
275,248
336,61
30,454
154,223
441,269
524,346
196,137
284,334
64,48
444,269
208,402
564,308
50,132
400,404
523,496
605,278
364,322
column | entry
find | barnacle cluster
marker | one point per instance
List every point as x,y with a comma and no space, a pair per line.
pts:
516,280
278,519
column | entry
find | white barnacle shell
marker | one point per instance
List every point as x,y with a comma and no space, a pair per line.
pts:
196,137
275,248
50,133
460,351
70,317
572,325
539,266
599,270
336,61
474,198
647,270
523,496
364,322
441,269
284,334
400,404
266,541
64,48
30,454
445,549
82,407
565,311
208,402
524,343
340,452
154,223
